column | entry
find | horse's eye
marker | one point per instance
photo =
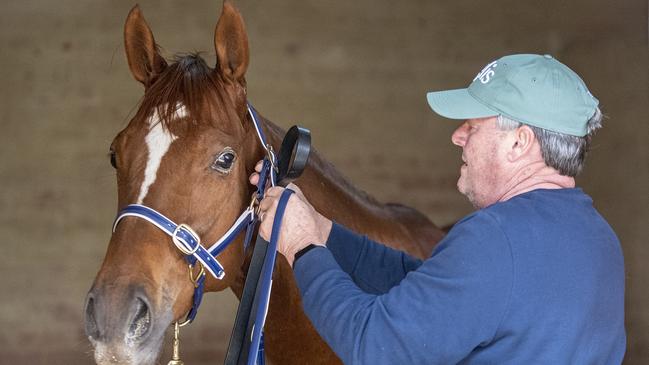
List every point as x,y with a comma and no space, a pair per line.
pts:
113,158
224,161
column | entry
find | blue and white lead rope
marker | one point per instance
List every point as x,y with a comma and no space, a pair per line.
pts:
266,282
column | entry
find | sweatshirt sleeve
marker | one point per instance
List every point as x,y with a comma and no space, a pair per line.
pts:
452,303
374,267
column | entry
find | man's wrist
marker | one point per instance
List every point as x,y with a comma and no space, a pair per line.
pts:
303,248
303,251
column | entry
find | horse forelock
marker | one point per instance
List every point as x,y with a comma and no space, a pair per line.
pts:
189,83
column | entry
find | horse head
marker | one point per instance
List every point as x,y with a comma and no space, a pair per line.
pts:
186,153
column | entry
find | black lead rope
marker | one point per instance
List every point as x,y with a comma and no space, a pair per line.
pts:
293,156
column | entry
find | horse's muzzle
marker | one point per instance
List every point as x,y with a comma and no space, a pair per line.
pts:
121,324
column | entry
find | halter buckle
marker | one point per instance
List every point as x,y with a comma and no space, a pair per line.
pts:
176,240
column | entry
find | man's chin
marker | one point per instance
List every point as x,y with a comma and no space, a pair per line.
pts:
468,193
461,186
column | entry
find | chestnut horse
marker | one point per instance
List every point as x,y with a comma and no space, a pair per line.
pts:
187,153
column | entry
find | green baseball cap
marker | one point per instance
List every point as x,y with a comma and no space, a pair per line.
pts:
532,89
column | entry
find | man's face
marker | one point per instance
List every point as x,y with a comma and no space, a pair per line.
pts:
482,174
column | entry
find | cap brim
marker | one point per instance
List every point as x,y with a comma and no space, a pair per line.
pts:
458,104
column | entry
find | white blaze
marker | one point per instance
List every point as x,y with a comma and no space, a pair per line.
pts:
157,141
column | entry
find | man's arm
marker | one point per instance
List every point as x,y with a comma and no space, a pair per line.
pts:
453,303
375,268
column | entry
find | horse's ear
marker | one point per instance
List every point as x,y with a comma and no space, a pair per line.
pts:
142,53
231,43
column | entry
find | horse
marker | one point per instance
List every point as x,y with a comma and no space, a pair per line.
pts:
188,152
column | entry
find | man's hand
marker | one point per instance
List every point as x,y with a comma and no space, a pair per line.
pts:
302,225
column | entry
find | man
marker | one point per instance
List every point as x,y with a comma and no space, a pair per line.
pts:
534,276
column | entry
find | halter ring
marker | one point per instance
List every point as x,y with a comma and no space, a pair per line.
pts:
254,203
193,279
176,240
186,322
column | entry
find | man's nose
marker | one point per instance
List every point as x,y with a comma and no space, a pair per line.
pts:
459,136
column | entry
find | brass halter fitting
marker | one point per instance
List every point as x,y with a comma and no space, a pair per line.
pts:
175,357
181,247
270,153
254,204
195,279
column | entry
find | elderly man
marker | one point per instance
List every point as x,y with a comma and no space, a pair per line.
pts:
534,276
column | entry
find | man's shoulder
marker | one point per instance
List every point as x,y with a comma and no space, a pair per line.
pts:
551,214
535,210
477,228
540,203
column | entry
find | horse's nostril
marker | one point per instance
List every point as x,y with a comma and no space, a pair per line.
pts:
92,330
141,321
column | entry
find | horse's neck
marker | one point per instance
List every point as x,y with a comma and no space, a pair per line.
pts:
336,198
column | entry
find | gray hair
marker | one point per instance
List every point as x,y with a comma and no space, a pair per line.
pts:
563,152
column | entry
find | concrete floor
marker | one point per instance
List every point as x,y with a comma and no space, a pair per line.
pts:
354,72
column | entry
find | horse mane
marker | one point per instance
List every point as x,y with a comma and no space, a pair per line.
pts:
188,82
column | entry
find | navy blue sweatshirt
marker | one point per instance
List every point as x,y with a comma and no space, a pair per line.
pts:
538,279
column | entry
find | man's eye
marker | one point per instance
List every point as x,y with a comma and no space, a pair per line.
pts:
113,158
224,161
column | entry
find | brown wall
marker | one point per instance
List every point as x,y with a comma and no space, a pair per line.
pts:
354,72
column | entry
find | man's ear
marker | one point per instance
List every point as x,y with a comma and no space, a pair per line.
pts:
522,141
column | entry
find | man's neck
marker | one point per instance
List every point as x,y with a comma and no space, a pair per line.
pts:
536,176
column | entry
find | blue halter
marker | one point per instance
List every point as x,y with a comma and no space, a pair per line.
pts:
189,243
